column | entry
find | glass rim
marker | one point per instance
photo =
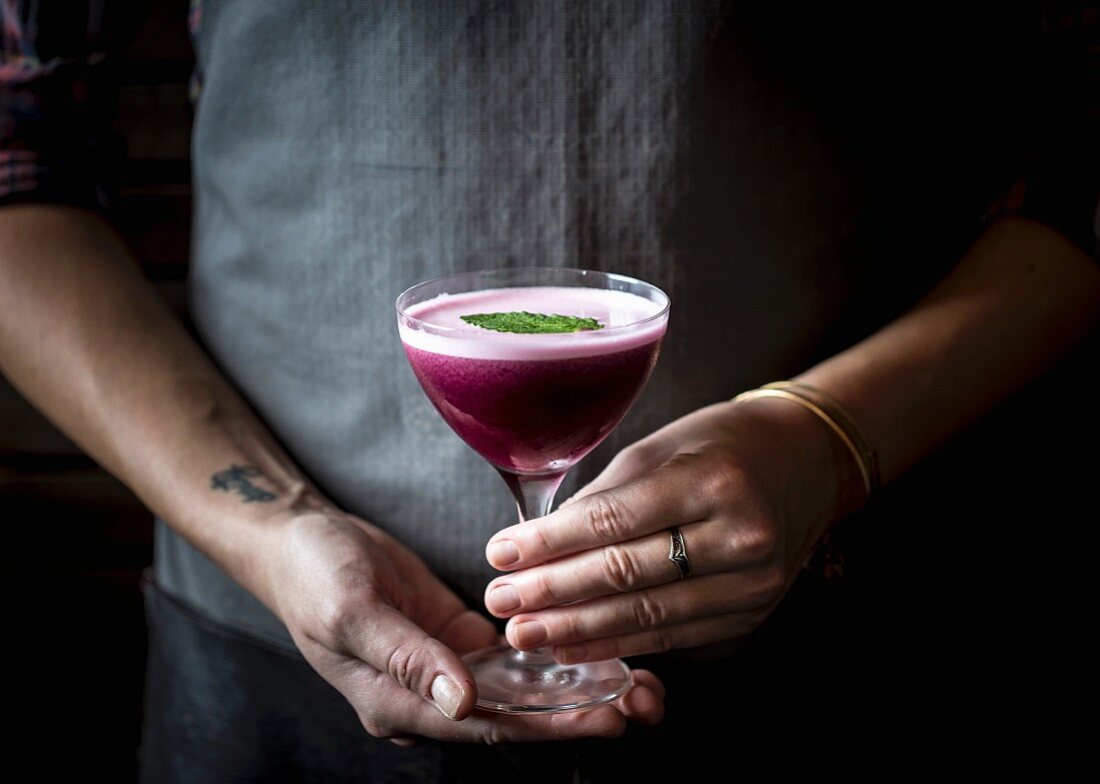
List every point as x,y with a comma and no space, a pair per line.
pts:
586,334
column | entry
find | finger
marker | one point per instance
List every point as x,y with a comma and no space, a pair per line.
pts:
645,702
651,682
618,568
405,741
646,610
606,721
674,494
468,631
391,643
686,635
406,716
631,463
393,713
435,608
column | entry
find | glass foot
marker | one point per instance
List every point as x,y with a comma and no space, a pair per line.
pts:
511,681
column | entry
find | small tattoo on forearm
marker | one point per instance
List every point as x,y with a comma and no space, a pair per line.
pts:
236,479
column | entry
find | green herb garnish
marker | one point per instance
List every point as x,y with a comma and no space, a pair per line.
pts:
522,321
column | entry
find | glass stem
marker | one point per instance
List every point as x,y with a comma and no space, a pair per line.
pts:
534,494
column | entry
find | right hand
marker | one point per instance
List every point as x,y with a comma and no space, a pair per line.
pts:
370,617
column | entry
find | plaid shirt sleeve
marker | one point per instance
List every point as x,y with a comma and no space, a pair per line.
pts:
1059,184
55,104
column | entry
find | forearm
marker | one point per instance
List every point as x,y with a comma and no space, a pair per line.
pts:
87,340
1020,298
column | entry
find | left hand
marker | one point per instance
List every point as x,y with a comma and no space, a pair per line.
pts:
752,487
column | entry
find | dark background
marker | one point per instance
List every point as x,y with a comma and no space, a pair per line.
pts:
77,539
962,620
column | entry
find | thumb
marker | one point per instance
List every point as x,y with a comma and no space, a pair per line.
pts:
391,643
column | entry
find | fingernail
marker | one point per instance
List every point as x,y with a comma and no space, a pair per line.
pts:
503,598
567,654
446,695
530,633
503,553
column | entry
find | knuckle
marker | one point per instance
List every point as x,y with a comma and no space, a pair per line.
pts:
545,591
542,542
661,641
335,614
758,541
729,549
494,736
776,579
622,461
386,731
648,613
404,664
371,728
375,727
605,516
635,457
343,601
724,476
566,628
620,569
770,585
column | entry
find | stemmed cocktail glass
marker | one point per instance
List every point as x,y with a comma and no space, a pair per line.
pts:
533,368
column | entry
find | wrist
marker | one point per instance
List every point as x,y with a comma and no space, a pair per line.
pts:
256,556
813,473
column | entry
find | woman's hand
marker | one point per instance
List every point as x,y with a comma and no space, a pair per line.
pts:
751,486
371,618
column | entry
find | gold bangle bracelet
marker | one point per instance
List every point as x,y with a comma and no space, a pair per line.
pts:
833,415
826,401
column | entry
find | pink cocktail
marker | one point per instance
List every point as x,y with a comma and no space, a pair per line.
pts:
533,403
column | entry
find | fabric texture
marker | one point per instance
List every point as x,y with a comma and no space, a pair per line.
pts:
56,144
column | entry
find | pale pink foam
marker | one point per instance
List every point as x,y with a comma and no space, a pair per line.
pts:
446,333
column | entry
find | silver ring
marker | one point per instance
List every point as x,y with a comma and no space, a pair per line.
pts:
677,552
